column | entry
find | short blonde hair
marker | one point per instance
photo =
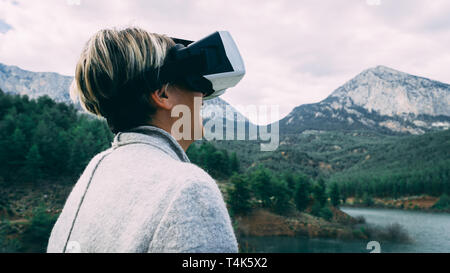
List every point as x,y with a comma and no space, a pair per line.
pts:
110,77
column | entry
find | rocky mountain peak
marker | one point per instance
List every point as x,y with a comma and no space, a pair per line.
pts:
379,98
391,92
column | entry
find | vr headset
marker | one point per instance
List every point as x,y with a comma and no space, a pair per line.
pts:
210,65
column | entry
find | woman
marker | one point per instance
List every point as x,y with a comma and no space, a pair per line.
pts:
142,194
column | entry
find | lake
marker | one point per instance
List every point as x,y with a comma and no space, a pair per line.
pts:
430,233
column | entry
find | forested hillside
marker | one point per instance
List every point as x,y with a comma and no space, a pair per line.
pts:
44,147
41,139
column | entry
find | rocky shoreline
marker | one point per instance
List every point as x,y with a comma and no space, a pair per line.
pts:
421,203
261,222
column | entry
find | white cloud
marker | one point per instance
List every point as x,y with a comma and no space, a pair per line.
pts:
295,52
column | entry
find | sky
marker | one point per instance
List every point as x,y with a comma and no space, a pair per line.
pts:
295,52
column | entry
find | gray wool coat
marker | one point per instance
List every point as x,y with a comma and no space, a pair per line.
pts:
143,195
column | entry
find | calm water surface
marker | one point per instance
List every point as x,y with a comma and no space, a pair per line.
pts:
430,233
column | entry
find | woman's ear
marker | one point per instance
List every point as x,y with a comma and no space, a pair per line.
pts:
160,98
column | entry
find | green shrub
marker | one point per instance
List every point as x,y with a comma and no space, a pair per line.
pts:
301,196
8,245
360,219
367,200
393,232
319,192
334,194
316,208
261,181
326,213
36,235
281,194
443,202
239,195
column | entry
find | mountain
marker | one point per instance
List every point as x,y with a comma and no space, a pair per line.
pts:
362,130
34,84
380,99
221,106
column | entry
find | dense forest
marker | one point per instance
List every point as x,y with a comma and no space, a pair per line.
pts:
41,139
46,143
359,161
44,147
260,186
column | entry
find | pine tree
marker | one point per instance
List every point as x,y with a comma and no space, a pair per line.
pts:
239,195
319,192
301,196
33,164
289,178
281,196
261,183
334,194
17,150
367,200
234,164
225,169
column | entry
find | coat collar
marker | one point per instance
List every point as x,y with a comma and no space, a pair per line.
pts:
154,136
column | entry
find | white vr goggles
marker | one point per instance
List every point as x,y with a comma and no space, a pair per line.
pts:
210,65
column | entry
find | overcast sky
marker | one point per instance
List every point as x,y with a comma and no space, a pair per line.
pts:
295,52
